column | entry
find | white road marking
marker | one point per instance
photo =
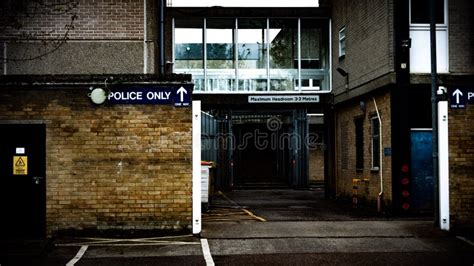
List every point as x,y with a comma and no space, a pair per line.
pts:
131,242
465,240
78,256
207,252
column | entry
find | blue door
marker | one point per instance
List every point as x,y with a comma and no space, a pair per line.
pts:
422,170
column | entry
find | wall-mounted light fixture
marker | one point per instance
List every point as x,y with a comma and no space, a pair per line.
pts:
362,106
97,95
344,74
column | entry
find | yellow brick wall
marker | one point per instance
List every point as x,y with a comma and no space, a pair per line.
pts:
109,167
369,188
461,166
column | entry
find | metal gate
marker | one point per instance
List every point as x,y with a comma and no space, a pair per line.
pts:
233,139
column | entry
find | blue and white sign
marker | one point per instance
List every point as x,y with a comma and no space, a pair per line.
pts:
177,96
460,97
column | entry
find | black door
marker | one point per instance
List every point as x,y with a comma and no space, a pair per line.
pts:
22,180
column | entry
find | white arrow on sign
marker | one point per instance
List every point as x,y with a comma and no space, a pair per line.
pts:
181,91
458,94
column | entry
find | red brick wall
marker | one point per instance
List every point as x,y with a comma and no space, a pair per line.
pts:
461,166
109,167
99,19
346,150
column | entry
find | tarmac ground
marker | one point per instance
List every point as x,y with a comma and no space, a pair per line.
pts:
264,227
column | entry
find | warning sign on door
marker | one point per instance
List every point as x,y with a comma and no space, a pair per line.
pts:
20,165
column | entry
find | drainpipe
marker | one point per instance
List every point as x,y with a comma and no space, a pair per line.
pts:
380,196
146,69
150,37
162,37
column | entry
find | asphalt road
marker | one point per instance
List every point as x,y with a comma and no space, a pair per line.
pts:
246,228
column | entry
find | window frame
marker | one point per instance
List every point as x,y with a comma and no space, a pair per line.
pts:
445,16
359,142
375,139
319,79
342,41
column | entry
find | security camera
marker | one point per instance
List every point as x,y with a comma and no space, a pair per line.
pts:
441,90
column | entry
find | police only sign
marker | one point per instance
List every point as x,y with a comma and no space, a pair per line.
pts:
177,96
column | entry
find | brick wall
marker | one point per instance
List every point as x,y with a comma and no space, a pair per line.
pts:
316,165
461,166
369,41
99,19
461,41
109,167
346,150
107,37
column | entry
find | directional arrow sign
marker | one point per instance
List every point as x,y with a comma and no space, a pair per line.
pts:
457,98
181,91
457,93
182,97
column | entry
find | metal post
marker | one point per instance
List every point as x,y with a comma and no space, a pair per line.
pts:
434,108
443,160
196,165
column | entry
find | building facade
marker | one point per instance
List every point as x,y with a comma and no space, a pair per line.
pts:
335,94
382,48
79,165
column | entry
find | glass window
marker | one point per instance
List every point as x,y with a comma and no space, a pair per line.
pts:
252,54
420,11
220,54
283,42
375,143
314,54
312,49
342,42
188,44
220,43
188,49
252,39
242,3
359,138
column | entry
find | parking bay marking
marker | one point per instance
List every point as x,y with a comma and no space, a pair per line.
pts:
151,241
207,252
78,256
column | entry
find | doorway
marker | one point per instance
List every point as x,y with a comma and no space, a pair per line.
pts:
262,154
22,180
422,170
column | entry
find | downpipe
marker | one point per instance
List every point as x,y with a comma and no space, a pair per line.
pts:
380,195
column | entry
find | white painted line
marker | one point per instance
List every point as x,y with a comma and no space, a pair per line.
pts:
78,256
207,252
465,240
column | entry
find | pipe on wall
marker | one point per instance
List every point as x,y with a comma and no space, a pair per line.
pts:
162,37
145,37
380,195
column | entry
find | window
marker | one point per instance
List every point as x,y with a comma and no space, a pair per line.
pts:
253,54
359,138
342,42
242,3
420,12
420,59
344,144
375,124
